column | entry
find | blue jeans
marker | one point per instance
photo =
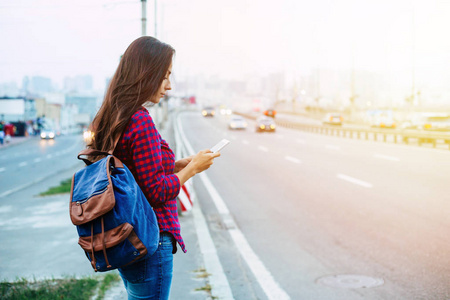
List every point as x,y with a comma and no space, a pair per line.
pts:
151,278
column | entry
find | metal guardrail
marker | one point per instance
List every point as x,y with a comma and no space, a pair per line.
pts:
385,135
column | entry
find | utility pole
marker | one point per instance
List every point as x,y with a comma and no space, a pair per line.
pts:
144,17
413,56
352,88
156,23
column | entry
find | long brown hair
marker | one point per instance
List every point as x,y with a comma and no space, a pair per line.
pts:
138,77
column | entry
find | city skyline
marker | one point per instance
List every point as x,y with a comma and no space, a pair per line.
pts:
401,40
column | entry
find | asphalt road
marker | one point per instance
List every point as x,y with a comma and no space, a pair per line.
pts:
312,206
38,239
309,206
24,164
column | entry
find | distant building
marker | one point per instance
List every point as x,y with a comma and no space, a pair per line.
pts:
51,112
87,104
80,83
69,115
37,85
17,109
9,89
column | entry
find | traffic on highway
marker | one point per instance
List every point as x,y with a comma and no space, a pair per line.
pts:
330,218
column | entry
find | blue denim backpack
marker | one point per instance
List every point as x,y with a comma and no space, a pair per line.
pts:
115,222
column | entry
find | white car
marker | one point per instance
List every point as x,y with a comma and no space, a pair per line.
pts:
47,134
237,122
434,122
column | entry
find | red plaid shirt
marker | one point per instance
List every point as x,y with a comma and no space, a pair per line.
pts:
152,163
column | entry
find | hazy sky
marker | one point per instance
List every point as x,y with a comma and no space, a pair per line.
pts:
233,38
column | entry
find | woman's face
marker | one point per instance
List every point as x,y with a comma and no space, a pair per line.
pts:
165,86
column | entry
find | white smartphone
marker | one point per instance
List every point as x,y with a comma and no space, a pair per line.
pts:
217,147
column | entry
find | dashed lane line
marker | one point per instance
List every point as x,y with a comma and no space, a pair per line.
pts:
2,170
23,164
355,181
386,157
23,186
262,148
333,147
36,160
293,159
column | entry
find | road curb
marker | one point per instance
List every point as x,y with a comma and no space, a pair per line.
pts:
8,145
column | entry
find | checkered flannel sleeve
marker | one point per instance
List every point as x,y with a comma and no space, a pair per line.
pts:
149,161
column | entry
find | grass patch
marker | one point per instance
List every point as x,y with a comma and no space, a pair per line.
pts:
201,270
108,280
62,188
206,288
201,273
50,289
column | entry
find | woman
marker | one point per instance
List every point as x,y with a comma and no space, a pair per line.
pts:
122,124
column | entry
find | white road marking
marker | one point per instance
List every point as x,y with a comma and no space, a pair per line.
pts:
218,280
354,180
23,164
333,147
49,156
262,148
293,159
30,183
391,158
271,288
2,170
245,142
265,279
36,160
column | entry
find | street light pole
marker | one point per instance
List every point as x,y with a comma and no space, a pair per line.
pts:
144,17
413,56
156,26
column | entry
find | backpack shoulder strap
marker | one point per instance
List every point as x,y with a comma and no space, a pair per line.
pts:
94,152
90,152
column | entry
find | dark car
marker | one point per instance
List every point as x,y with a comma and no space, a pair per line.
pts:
264,123
208,111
